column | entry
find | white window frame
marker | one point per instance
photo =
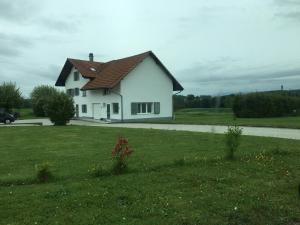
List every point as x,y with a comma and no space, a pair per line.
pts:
140,107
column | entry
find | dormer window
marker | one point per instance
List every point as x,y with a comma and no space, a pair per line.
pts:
106,91
76,75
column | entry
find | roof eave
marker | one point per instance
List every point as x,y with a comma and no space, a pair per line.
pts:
61,80
176,85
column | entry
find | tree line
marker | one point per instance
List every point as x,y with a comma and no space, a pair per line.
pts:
44,100
202,101
258,104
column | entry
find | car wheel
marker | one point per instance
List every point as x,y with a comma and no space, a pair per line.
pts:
7,121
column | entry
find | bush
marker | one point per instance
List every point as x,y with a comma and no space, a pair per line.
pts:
10,96
40,97
43,172
233,137
256,105
60,108
98,171
120,152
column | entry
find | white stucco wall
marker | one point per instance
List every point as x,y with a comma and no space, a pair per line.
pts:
94,98
147,83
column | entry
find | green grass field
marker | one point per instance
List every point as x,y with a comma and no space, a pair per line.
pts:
26,113
259,187
225,117
219,116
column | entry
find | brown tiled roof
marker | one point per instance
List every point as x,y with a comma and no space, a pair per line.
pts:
84,67
114,71
108,75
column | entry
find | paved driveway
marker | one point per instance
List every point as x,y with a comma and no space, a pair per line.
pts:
254,131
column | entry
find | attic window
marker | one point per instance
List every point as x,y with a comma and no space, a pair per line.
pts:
93,69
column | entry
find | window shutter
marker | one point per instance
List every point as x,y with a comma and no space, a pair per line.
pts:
156,107
134,108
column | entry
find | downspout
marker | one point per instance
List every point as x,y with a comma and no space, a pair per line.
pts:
173,103
121,104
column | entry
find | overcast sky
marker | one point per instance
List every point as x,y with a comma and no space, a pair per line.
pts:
211,47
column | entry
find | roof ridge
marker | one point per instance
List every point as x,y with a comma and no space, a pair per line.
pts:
85,60
147,52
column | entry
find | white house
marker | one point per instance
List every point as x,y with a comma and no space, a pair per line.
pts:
138,87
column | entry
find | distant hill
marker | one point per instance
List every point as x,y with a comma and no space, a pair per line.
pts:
285,92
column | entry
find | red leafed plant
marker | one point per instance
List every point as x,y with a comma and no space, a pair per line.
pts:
120,152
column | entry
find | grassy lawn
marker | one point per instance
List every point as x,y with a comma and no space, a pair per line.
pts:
259,187
26,113
225,117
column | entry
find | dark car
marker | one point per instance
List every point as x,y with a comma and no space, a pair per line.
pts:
6,118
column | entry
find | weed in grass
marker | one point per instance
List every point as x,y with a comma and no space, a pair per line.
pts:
98,171
232,140
278,151
61,193
43,172
179,162
120,152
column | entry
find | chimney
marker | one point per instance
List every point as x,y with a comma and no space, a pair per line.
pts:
91,57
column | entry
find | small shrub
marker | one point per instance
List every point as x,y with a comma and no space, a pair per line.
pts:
60,108
43,172
40,97
98,171
233,136
120,152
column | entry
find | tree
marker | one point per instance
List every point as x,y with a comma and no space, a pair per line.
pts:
10,96
60,108
40,97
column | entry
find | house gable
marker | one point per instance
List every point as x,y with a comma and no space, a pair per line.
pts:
147,83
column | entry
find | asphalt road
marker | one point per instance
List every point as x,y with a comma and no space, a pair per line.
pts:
253,131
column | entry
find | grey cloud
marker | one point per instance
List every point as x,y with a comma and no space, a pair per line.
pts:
17,11
287,2
15,40
49,72
217,74
12,45
288,9
58,25
289,15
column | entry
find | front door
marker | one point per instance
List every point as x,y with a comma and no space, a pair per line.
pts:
108,111
77,110
97,111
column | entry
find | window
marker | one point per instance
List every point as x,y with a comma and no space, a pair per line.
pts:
115,108
156,107
106,91
84,93
149,107
84,109
76,91
76,75
70,92
143,108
